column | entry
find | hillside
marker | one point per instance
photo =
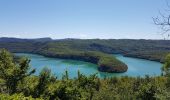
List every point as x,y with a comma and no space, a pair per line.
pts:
147,49
56,49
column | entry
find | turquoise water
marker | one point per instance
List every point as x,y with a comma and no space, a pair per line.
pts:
136,67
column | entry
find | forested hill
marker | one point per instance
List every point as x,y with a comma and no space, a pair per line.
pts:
7,39
147,49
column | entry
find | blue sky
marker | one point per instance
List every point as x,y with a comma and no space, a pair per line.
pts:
80,18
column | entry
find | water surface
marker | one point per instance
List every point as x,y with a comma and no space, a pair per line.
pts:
136,67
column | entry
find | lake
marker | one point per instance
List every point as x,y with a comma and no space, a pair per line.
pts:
136,67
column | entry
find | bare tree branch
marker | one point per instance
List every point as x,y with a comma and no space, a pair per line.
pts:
163,21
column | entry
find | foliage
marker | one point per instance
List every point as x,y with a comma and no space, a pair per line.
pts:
45,78
46,86
12,73
17,97
166,67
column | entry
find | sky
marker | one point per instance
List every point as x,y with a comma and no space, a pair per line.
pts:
85,19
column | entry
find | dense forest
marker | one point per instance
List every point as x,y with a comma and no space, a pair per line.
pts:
148,49
17,82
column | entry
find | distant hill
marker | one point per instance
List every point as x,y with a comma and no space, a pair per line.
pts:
8,39
147,49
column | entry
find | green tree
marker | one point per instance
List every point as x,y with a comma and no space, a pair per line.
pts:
166,66
11,72
45,78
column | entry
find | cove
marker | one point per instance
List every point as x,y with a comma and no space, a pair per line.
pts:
136,67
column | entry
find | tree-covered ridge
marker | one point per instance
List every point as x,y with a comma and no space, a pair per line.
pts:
46,86
148,49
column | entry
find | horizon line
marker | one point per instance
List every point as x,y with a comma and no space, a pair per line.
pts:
85,38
